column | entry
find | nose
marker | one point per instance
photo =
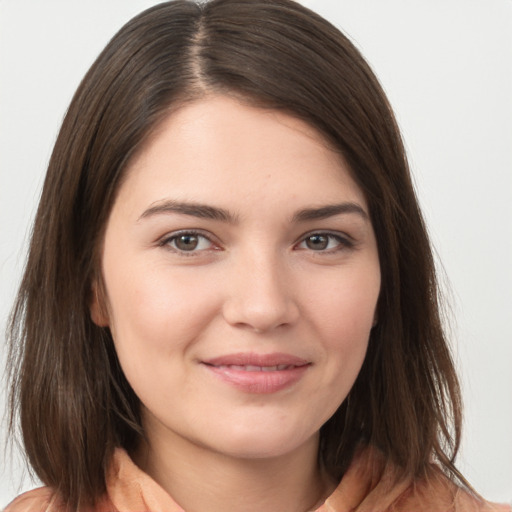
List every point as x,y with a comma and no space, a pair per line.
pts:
260,294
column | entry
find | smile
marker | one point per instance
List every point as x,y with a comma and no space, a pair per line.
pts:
254,368
258,373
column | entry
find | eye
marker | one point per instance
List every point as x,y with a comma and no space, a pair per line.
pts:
326,242
187,241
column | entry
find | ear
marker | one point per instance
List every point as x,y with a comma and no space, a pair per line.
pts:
97,306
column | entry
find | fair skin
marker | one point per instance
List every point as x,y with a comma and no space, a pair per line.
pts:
241,276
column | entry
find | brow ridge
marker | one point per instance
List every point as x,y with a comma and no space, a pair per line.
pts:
324,212
215,213
189,208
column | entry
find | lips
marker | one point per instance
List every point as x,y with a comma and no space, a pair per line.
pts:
259,360
254,368
258,373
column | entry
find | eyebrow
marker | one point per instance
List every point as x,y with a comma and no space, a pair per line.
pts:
324,212
215,213
193,209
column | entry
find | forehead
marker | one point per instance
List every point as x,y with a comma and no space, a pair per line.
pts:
218,149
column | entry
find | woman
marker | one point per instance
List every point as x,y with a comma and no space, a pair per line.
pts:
230,300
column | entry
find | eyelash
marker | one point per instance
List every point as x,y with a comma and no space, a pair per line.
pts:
168,240
343,242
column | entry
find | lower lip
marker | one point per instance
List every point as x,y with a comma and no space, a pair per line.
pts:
259,382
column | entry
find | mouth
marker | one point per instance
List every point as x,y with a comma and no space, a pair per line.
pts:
258,362
258,373
254,368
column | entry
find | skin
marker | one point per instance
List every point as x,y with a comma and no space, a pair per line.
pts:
265,280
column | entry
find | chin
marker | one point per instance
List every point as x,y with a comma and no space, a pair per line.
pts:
263,443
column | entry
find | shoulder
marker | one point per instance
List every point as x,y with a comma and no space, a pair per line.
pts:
372,482
441,493
45,499
37,500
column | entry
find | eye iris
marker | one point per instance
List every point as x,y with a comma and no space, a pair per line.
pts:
187,242
317,242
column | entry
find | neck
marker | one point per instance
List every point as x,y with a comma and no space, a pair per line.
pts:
288,483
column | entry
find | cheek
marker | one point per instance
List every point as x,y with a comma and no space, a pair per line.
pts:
344,308
343,316
154,311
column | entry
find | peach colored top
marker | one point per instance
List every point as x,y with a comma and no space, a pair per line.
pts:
365,487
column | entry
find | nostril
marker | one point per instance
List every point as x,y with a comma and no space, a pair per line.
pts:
260,319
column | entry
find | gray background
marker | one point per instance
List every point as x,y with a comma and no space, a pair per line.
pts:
447,68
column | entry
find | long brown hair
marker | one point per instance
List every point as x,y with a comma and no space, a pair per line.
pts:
73,402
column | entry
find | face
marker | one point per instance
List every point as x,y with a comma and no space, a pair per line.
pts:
241,276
